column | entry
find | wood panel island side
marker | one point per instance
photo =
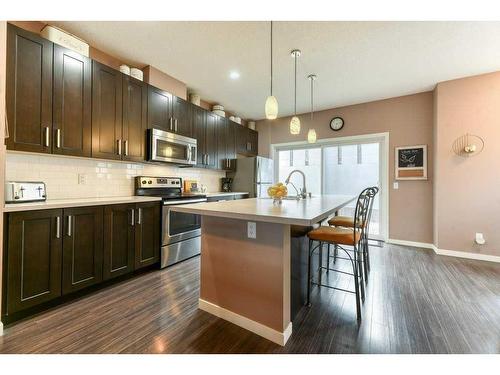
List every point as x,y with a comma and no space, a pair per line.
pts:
257,283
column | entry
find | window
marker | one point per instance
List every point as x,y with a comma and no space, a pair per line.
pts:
305,160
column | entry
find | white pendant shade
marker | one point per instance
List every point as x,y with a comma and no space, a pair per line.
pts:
311,136
271,107
295,125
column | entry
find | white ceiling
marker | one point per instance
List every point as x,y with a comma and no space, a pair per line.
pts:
355,61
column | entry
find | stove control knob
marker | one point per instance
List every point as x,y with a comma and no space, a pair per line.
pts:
150,182
143,182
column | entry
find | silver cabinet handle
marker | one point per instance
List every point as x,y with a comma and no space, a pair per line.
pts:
139,216
119,142
132,222
175,124
46,136
208,159
171,123
58,227
58,138
125,146
70,225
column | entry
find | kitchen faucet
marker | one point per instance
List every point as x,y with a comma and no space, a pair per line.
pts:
303,191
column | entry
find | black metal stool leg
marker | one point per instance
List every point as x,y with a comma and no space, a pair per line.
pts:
356,285
320,261
335,253
360,271
328,259
309,265
365,258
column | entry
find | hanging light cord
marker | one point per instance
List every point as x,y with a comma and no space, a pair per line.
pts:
295,104
312,97
271,58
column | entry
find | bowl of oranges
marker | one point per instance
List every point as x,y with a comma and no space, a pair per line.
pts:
277,192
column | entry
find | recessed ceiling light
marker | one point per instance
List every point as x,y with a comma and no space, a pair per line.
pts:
234,75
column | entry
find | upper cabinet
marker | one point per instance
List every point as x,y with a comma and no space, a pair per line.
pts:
181,117
29,91
71,124
246,141
61,102
135,109
107,139
160,109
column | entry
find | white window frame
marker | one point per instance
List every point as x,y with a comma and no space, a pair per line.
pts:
381,138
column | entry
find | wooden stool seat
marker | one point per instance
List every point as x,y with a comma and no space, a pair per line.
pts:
341,236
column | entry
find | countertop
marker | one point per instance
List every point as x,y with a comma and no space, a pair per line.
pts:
305,212
78,202
225,193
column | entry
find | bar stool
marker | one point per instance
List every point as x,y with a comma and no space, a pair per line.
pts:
341,236
348,222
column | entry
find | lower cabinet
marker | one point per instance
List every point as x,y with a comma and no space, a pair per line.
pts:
51,253
34,258
147,235
118,240
82,248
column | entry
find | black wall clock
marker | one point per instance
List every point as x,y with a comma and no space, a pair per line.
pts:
336,123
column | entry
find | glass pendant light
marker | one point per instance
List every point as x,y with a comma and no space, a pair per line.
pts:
271,106
295,122
311,134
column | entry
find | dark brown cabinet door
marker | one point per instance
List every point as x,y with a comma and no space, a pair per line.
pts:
72,103
119,222
160,109
211,141
33,258
147,234
29,91
222,125
253,140
106,112
135,103
181,114
82,248
198,121
231,144
241,140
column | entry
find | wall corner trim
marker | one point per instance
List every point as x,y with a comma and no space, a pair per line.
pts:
1,329
450,253
277,337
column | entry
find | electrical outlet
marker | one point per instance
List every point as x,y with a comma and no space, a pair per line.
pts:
395,185
252,229
82,179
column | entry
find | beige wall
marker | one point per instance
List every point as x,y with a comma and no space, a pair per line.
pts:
466,189
409,120
165,82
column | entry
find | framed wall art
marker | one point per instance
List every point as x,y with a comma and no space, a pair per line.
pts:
411,162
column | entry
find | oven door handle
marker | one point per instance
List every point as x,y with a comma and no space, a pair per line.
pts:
171,203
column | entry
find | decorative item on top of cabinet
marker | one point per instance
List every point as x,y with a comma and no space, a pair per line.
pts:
34,245
72,110
28,91
107,142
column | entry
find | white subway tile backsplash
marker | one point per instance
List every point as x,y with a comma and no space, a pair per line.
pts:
104,179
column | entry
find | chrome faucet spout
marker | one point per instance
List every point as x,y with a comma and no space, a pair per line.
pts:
303,191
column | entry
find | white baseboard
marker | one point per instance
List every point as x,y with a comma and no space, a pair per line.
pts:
464,254
450,253
277,337
423,245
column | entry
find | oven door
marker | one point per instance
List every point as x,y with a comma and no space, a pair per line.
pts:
171,148
179,226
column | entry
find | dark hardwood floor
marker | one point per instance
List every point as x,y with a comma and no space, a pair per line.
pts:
416,302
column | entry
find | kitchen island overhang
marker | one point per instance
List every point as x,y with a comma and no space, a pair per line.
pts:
247,281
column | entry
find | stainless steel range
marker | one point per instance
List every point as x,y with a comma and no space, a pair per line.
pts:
180,231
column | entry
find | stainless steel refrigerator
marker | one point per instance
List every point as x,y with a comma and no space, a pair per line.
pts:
254,175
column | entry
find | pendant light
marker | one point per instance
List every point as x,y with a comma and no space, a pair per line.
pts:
311,134
271,106
295,122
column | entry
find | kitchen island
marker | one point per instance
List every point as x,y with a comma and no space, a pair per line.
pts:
247,257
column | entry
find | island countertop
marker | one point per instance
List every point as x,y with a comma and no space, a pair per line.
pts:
305,212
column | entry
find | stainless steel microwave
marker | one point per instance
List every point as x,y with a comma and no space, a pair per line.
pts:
171,148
